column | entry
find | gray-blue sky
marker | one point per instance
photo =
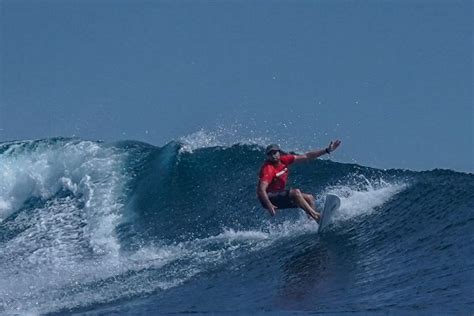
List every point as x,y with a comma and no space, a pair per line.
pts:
392,79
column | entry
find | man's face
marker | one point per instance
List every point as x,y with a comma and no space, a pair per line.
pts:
273,156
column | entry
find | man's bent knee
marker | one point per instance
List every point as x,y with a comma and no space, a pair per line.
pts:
295,193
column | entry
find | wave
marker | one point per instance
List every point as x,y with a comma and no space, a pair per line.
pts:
87,224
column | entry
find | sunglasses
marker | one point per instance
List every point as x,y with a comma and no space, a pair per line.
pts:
272,152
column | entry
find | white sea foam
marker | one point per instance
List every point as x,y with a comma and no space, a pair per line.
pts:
42,288
222,136
363,197
57,232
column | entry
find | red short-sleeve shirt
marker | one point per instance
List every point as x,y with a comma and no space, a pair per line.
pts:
276,176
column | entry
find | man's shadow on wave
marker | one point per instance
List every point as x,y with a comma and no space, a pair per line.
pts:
323,265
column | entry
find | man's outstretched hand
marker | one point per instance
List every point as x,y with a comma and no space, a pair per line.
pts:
333,145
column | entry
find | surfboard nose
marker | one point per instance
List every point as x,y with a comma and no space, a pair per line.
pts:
331,205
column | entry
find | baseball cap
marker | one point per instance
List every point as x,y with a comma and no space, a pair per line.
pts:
272,147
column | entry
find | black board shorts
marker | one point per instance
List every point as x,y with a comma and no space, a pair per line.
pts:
282,199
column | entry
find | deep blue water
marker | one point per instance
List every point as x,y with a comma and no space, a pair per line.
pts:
129,228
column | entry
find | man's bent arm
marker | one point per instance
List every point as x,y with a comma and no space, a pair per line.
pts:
263,196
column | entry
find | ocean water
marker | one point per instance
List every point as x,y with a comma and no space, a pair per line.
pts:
128,228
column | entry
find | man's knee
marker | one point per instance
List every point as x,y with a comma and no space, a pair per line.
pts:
295,193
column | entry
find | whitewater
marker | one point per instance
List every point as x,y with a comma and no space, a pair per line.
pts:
89,227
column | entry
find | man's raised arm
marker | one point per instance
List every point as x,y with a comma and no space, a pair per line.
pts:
318,153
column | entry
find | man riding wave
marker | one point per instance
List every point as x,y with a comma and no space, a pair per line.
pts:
274,175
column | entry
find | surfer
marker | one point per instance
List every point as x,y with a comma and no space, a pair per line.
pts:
274,174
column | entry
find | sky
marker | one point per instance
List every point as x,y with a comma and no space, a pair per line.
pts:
391,79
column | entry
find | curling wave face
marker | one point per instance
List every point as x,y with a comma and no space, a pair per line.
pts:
95,226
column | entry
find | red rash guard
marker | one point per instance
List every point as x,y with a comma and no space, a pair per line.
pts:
277,175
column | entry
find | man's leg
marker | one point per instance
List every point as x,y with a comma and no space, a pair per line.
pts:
300,201
311,201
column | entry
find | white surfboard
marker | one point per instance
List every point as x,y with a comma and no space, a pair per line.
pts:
332,204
